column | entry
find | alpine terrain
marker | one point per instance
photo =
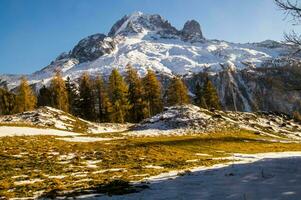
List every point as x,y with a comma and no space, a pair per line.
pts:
241,72
152,112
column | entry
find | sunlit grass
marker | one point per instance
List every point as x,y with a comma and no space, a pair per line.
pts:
59,165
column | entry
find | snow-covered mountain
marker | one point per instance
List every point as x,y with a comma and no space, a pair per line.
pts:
151,42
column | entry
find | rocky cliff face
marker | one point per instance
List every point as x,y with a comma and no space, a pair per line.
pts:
276,89
92,47
139,22
192,31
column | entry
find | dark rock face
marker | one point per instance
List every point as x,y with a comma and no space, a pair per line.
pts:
192,31
116,26
138,22
162,25
92,47
270,44
62,56
275,89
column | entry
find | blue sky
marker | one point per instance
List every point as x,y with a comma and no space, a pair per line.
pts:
34,32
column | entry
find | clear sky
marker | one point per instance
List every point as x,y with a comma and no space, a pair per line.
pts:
34,32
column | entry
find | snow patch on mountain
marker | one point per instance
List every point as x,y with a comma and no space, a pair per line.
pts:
48,117
190,119
173,56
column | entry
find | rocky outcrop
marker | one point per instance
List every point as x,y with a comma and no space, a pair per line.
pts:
139,22
48,117
117,26
190,119
192,31
92,47
276,89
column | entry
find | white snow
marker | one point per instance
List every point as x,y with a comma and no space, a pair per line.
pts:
68,156
28,131
79,174
92,163
49,117
153,167
190,119
172,56
202,154
85,139
107,127
191,161
20,176
109,170
56,177
139,175
27,182
44,117
268,176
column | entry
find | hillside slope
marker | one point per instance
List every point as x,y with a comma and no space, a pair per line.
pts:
47,117
190,119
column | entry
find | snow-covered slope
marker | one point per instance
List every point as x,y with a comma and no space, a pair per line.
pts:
47,117
190,119
174,56
259,176
151,42
32,131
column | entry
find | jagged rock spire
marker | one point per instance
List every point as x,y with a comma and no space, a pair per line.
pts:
192,31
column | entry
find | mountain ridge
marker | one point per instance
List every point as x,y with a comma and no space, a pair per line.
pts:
151,42
137,27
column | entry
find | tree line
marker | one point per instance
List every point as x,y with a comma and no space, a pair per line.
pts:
119,99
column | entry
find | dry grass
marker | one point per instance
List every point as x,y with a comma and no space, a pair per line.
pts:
60,165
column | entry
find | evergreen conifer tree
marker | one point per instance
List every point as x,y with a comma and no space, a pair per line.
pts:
177,93
210,95
152,95
118,92
199,96
138,107
44,96
86,104
73,97
25,99
7,102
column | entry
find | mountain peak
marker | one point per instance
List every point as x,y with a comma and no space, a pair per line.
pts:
139,22
136,14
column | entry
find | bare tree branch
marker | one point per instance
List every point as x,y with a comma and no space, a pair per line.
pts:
293,38
293,9
290,8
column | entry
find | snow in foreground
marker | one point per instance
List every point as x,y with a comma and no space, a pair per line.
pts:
28,131
273,176
86,139
48,117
